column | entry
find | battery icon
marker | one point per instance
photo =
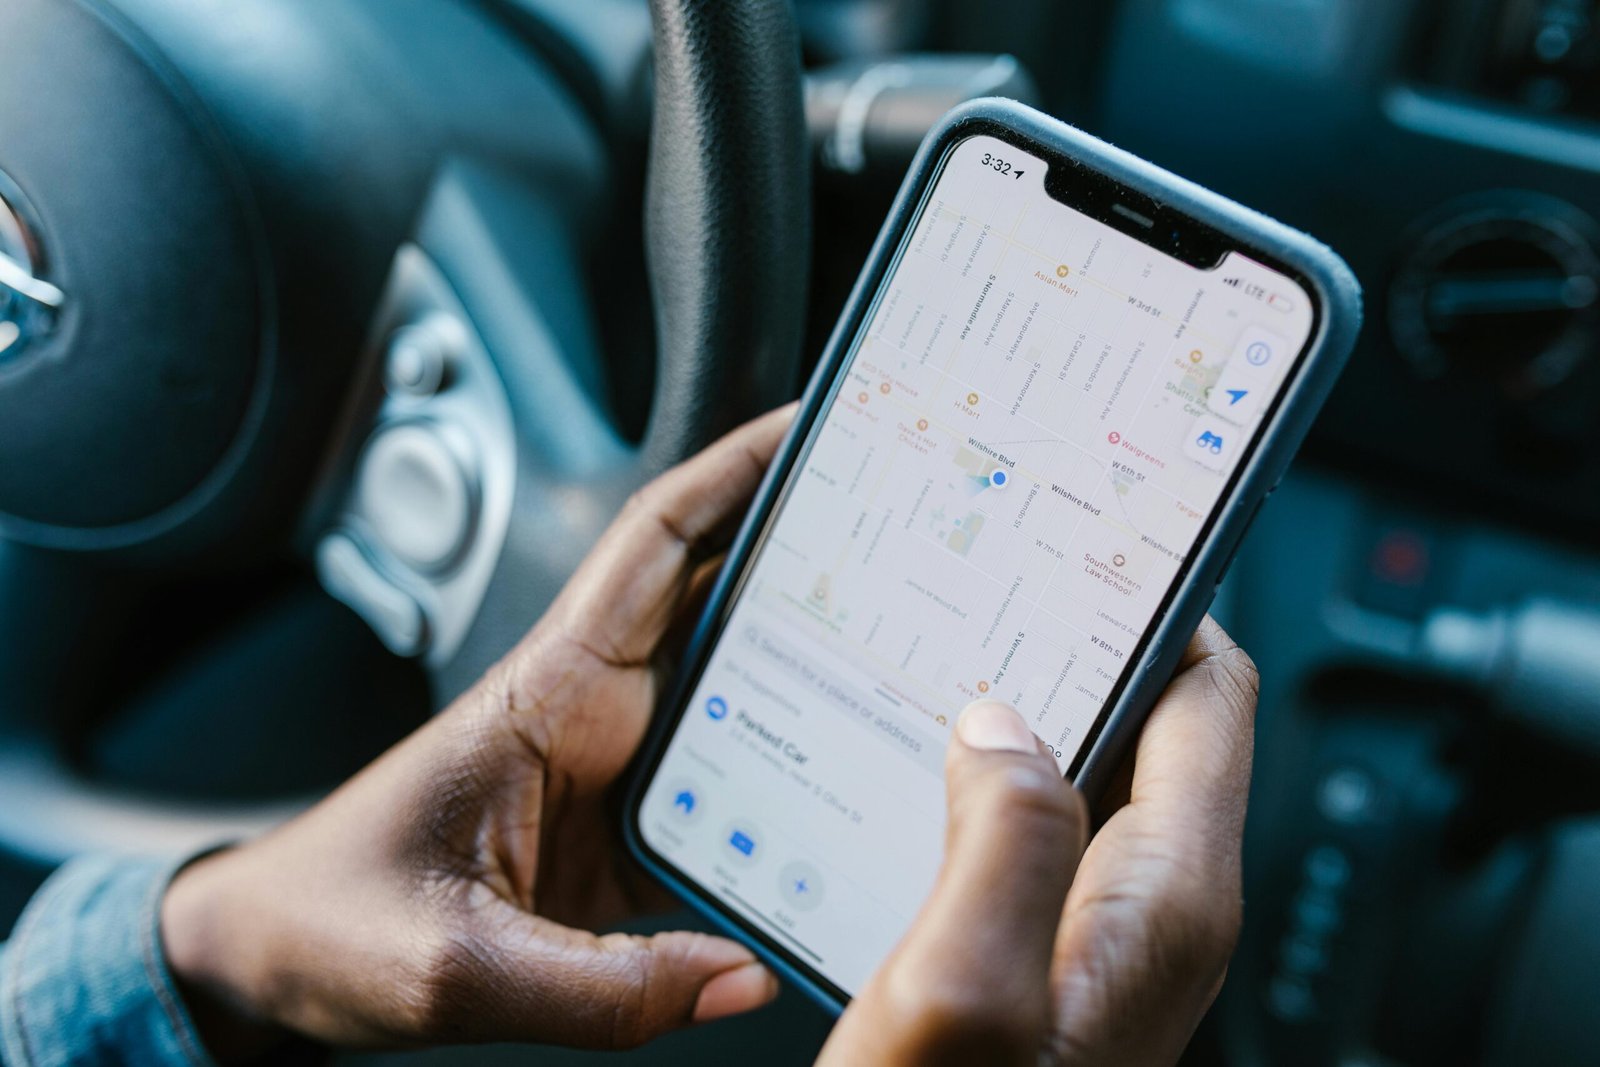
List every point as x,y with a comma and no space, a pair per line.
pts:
1279,302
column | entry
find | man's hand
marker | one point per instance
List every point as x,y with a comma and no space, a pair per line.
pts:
447,893
1033,949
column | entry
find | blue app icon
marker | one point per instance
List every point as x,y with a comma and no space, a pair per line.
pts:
717,708
802,886
742,842
683,801
1236,395
1210,441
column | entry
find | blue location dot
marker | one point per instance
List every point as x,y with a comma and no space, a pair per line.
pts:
998,479
717,708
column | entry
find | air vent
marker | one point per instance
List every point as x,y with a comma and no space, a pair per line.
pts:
1504,290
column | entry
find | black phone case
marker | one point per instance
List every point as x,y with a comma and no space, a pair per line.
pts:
1317,267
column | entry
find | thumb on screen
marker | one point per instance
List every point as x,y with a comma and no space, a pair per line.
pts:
971,980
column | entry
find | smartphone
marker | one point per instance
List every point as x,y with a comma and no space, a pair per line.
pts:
1064,384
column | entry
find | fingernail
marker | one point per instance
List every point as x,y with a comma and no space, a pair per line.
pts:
734,992
991,725
720,954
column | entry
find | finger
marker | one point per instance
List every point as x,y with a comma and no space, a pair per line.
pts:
971,980
1154,913
627,591
568,987
1119,789
697,591
1192,763
1014,833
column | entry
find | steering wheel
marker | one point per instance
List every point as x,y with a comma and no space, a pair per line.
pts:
300,298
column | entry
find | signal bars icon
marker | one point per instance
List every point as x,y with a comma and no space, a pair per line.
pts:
1233,283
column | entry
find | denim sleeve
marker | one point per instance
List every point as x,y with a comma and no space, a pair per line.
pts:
84,980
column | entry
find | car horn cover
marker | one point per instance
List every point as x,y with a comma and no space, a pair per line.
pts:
124,403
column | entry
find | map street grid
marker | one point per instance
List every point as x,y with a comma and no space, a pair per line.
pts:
1076,373
1023,447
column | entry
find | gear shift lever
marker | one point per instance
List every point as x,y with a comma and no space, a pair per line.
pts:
1538,664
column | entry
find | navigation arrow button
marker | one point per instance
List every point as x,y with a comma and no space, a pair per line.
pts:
1238,393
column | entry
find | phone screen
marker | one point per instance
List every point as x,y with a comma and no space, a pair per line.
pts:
1035,423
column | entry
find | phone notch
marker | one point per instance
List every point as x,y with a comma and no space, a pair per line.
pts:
1142,217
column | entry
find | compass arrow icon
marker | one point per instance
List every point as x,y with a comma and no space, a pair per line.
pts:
1236,395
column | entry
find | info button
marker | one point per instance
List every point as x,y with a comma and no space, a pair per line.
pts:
1260,352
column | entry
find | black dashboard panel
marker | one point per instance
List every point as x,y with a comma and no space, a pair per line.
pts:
1469,218
1411,835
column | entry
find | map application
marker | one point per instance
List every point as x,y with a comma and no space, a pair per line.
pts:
1027,439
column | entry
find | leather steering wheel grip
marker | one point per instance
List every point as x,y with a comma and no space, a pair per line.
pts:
727,217
728,248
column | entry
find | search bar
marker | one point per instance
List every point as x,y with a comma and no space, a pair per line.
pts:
814,687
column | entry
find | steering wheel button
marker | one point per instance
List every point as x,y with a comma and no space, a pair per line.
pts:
415,494
1348,796
1317,913
1291,999
418,361
393,614
1327,867
1303,955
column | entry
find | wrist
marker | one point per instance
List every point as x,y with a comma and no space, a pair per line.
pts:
217,946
